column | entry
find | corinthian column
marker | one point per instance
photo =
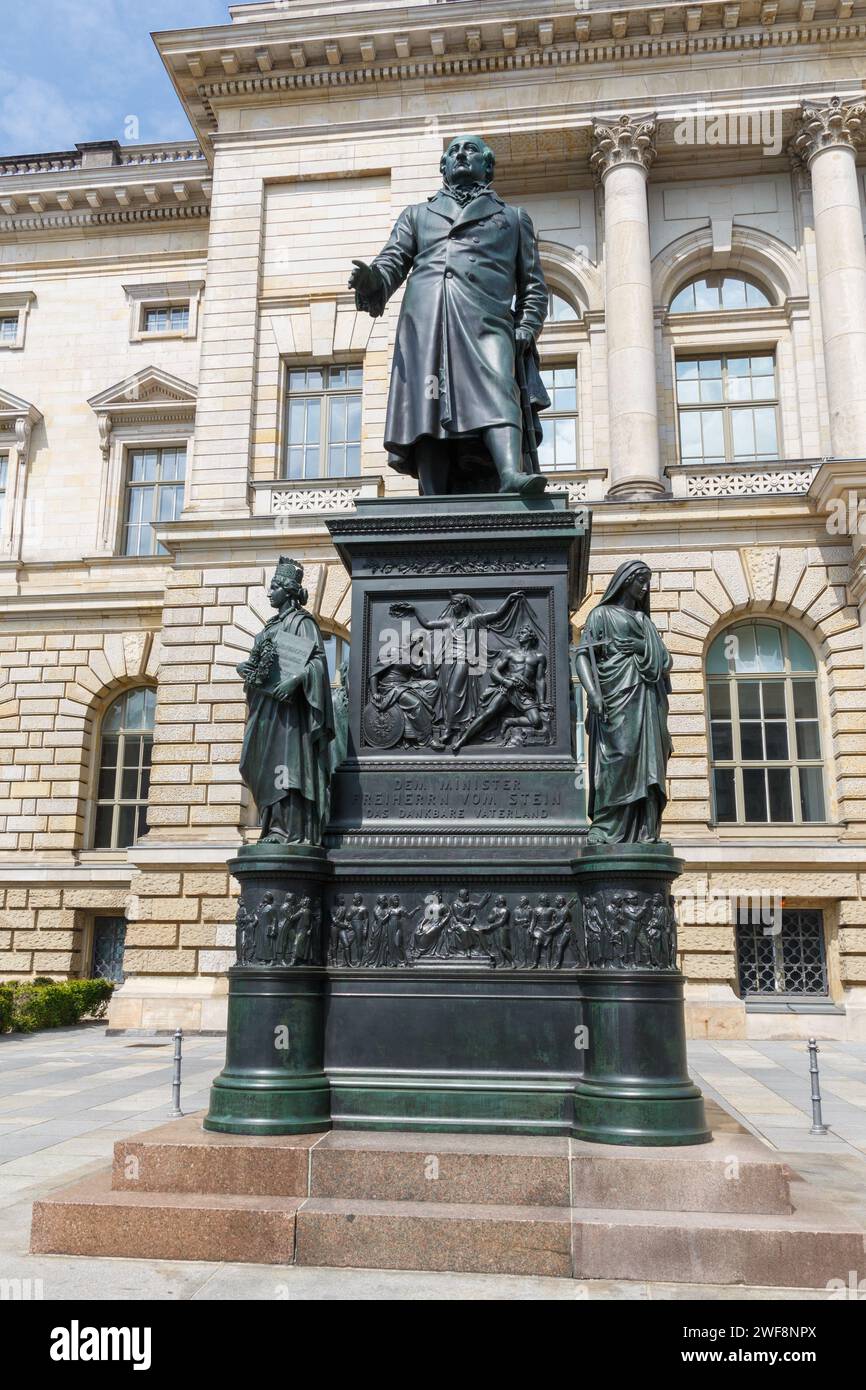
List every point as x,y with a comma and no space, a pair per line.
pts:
622,155
826,139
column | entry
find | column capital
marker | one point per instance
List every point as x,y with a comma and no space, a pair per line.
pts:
627,140
828,125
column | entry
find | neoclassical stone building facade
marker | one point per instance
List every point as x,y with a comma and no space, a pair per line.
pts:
186,391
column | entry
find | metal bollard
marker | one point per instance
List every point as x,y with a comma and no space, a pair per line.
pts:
818,1126
176,1113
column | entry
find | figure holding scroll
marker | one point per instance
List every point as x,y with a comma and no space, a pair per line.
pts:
285,760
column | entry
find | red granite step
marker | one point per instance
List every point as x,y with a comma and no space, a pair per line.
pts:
462,1237
183,1157
804,1249
91,1219
733,1173
484,1169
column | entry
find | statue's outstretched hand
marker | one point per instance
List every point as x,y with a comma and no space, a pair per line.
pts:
369,289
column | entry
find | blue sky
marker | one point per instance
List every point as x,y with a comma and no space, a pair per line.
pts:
73,70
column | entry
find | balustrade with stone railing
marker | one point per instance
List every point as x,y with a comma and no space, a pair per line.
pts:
65,161
306,497
776,478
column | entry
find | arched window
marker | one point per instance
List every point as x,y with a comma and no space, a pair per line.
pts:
559,310
126,740
718,291
765,733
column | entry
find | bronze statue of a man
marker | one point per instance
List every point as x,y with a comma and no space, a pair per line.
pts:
465,385
623,666
286,754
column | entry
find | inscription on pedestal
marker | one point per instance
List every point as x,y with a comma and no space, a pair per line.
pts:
470,796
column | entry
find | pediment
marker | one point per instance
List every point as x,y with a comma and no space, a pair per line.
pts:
13,408
149,387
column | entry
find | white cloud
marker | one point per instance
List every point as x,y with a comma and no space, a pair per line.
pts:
74,70
35,115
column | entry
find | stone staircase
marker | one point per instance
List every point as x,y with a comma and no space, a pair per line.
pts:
728,1212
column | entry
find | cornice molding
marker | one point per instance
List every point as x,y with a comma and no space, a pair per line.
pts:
289,53
53,221
123,217
121,187
466,63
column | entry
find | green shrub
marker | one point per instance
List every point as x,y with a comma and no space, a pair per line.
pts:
29,1005
91,996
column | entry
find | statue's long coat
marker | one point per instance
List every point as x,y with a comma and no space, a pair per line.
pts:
453,369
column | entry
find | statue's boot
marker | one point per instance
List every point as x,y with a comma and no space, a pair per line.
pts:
526,484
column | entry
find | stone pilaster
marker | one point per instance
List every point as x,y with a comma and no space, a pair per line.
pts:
622,154
826,139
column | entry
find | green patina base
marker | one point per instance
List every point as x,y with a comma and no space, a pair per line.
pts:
642,1117
274,1080
597,1054
238,1107
464,1104
635,1087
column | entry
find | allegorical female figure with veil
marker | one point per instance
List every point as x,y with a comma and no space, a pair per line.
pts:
463,663
623,666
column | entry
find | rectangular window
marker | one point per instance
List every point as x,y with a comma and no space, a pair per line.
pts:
9,328
167,318
109,940
781,957
767,732
323,423
154,494
4,472
558,450
728,408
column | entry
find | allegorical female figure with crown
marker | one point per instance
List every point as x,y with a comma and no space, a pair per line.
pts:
286,755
